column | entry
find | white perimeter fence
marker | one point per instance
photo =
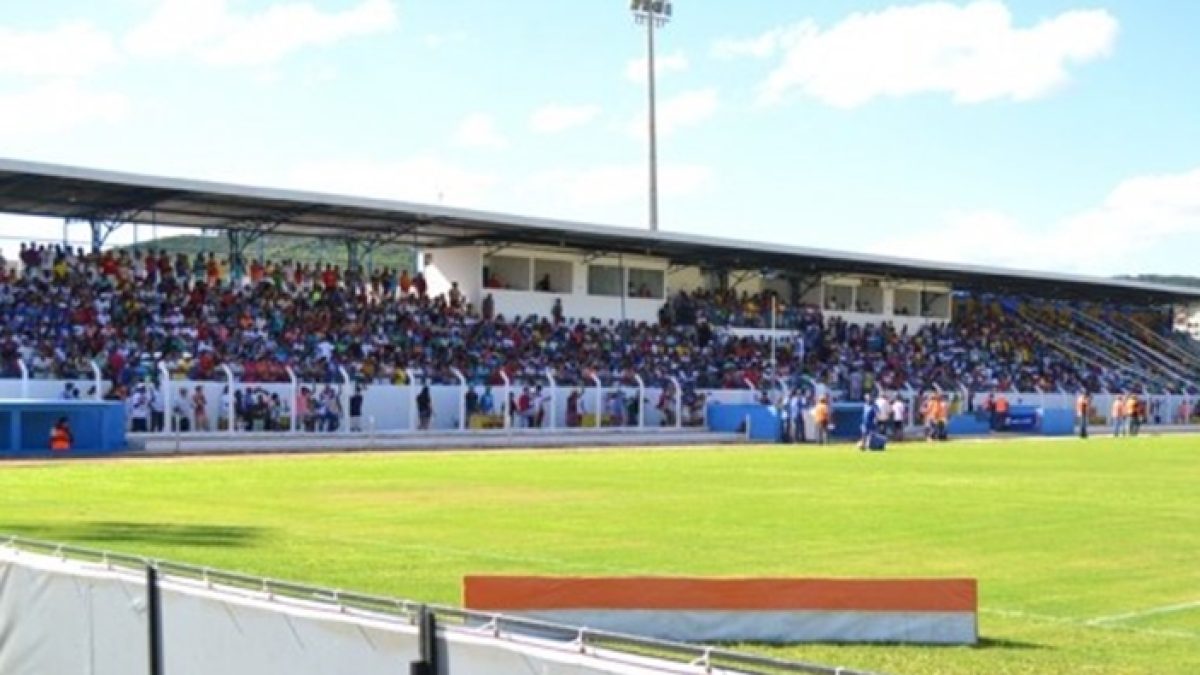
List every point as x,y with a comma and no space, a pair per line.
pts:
393,408
71,610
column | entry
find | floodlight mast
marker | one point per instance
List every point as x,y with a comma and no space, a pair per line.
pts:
654,14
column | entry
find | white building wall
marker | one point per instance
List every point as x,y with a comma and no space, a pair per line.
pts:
462,265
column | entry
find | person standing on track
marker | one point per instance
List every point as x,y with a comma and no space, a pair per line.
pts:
1083,409
870,416
1133,414
821,420
899,416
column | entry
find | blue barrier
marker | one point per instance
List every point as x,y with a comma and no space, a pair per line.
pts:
765,424
1058,422
847,421
1022,419
969,425
98,427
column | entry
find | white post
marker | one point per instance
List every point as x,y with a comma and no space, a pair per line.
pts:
24,378
753,391
292,406
165,392
344,399
462,398
99,377
229,412
553,396
774,335
412,397
641,401
504,411
678,402
599,400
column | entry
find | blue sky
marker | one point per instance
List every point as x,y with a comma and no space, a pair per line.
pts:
1045,134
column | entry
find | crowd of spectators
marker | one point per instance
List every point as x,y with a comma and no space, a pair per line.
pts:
132,310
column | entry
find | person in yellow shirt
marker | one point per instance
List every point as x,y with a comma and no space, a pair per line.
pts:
821,418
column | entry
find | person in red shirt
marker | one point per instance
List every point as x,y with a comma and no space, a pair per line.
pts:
108,265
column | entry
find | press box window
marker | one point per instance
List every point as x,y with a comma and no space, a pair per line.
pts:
552,276
505,272
647,283
604,280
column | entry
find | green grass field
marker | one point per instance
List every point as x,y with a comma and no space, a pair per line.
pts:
1086,552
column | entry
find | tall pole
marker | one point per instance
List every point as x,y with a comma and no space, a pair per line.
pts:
650,26
655,14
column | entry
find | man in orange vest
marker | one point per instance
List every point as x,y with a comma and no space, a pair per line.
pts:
1001,421
821,420
1083,408
941,412
60,436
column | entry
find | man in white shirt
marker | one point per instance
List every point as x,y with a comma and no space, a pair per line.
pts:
899,418
139,410
883,411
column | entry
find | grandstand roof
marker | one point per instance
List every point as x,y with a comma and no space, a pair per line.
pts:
82,194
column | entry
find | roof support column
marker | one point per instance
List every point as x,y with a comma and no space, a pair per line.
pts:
353,263
237,254
100,231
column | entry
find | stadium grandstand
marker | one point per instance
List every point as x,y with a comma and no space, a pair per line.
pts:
512,321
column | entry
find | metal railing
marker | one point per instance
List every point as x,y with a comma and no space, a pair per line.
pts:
575,639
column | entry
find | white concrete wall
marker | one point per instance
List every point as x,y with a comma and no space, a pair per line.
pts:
463,265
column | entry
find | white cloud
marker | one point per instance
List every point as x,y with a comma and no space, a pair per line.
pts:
759,47
71,50
684,110
618,183
423,179
1138,215
479,131
972,52
211,32
637,69
56,107
555,118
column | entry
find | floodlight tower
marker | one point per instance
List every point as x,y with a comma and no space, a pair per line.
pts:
654,14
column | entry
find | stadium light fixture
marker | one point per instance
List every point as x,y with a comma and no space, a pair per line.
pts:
654,15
